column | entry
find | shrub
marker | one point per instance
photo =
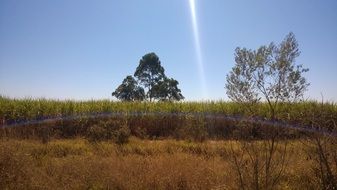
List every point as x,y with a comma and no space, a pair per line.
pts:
121,135
109,130
96,133
194,128
14,173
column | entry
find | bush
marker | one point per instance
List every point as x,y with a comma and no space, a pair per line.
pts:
96,133
109,130
194,128
121,135
14,173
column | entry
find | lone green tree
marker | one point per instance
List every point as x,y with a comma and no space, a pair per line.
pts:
149,72
129,90
269,74
152,76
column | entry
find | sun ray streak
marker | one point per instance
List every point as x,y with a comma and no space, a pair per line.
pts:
198,48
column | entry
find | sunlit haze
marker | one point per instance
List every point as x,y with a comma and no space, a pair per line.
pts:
198,49
82,49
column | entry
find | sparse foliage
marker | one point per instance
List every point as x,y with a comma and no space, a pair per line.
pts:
268,73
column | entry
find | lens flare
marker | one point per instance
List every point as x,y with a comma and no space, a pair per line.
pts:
198,48
204,115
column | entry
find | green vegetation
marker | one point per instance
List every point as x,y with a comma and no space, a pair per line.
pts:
160,125
129,90
16,110
268,73
110,130
150,76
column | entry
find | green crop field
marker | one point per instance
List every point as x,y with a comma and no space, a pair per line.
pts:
28,109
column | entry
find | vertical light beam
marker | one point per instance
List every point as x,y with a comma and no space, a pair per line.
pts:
198,48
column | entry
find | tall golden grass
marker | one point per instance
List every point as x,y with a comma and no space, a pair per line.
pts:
141,164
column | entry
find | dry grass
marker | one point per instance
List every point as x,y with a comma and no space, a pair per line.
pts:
140,164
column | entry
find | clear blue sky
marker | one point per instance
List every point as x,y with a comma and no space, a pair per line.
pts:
80,49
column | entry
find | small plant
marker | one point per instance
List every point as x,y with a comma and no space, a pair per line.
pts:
323,151
121,135
45,135
109,130
259,165
96,133
193,129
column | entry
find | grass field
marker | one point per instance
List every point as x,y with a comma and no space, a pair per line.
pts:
141,164
165,152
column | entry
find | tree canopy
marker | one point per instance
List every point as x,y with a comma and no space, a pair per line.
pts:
151,76
150,72
167,90
129,90
269,73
